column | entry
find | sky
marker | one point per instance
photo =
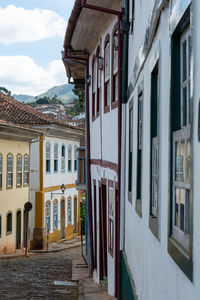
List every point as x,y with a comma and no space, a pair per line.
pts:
31,40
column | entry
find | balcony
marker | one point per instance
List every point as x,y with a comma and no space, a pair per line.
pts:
81,176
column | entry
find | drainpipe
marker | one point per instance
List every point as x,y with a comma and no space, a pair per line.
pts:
123,132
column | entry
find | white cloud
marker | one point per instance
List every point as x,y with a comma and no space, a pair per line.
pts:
21,75
21,25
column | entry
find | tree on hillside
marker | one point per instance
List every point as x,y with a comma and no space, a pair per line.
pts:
55,100
44,100
5,91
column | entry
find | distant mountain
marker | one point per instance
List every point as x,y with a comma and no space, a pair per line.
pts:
63,92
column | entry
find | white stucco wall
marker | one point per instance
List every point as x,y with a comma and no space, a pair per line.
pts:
155,273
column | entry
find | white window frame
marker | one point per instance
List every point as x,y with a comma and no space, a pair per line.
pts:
19,171
26,169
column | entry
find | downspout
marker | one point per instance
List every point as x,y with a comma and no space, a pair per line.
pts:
123,141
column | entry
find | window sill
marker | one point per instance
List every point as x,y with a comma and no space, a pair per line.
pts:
153,225
106,109
138,207
181,257
114,104
18,186
9,187
9,232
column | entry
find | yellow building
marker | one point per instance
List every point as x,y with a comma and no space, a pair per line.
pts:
14,184
53,163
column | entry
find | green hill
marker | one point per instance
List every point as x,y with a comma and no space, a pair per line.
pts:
63,92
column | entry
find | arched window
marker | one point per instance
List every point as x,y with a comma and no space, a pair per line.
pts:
26,169
93,85
48,216
98,84
19,170
56,158
48,157
55,215
63,158
69,158
9,171
107,75
75,158
69,210
9,223
115,67
1,170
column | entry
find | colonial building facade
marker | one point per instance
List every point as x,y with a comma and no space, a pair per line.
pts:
53,172
14,185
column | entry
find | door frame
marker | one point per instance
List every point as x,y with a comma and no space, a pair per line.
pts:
18,229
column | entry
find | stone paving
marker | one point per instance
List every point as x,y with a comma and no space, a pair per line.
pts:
34,277
49,276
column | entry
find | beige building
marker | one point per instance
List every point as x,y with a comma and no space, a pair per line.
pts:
14,184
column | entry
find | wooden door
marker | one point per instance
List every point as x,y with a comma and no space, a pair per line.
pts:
75,214
18,230
104,228
62,217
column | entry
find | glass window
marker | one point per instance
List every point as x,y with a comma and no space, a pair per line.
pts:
55,214
48,216
9,170
111,221
75,158
56,158
48,157
9,223
130,157
63,158
19,170
115,68
69,210
69,158
26,169
107,75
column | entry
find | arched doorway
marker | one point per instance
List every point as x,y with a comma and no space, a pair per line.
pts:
75,214
18,230
62,218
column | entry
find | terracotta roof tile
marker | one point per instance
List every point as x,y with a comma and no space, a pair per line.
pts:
13,111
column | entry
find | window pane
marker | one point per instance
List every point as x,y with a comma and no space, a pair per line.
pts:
47,151
184,60
182,159
187,211
0,164
26,163
182,209
184,109
107,61
188,163
176,206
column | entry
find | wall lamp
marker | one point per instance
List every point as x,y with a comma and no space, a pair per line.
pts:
88,79
100,63
62,187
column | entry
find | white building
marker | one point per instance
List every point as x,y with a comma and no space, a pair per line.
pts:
90,38
160,222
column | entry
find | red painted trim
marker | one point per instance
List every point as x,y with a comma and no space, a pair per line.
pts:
89,173
99,8
105,164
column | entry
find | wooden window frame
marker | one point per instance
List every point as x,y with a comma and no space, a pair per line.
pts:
63,158
9,186
55,167
98,85
55,228
154,145
130,152
114,72
69,211
107,81
48,158
9,230
140,119
25,171
180,251
94,83
69,167
19,172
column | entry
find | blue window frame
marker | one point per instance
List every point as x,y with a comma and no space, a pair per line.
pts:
55,157
69,158
63,158
48,216
48,157
69,210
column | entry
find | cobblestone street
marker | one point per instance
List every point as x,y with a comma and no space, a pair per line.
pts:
42,276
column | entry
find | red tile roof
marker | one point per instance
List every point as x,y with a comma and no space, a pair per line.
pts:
13,111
